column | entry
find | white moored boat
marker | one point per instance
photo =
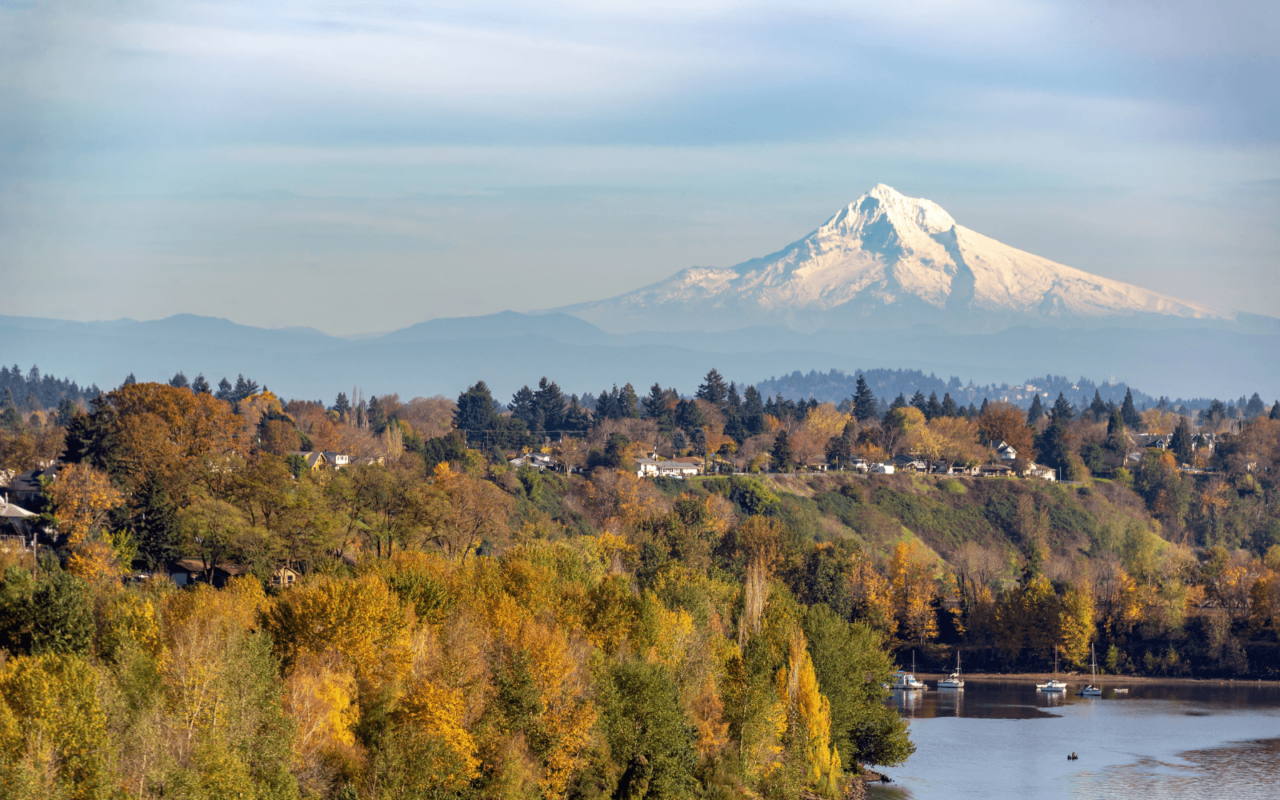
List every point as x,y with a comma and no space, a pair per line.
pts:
1053,684
953,681
906,681
1092,690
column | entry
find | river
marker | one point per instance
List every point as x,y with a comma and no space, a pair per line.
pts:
998,739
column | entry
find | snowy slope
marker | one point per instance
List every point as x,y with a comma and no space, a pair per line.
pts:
885,259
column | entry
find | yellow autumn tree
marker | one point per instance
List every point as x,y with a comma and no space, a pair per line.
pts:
82,498
708,719
131,620
872,595
809,719
1075,625
320,698
360,619
674,635
914,588
439,713
53,730
567,714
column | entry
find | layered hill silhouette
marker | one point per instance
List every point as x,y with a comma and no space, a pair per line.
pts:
887,282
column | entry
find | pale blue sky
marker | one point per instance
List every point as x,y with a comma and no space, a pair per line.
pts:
361,167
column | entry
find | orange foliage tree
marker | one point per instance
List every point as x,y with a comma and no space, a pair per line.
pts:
82,498
1006,422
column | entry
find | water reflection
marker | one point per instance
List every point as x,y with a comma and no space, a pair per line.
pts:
949,703
1005,739
983,700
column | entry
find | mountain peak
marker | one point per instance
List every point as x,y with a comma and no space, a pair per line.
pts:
883,191
885,205
887,259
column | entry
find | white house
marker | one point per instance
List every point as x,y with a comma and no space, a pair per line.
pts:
1004,450
652,468
1044,473
881,469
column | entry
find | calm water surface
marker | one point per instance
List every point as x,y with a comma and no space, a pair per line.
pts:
997,739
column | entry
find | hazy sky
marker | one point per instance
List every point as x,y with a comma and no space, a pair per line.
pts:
364,166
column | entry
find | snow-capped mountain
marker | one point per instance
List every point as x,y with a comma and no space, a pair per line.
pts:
886,260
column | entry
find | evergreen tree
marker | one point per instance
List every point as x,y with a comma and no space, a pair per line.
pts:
1116,440
713,389
1132,419
604,404
11,419
864,402
200,385
781,452
1255,408
53,615
982,410
899,402
689,416
839,449
243,388
628,403
1097,407
918,401
342,405
679,441
551,403
1035,412
949,408
154,521
1181,442
576,420
932,409
129,381
1214,414
1275,410
522,407
655,402
734,403
376,415
67,409
225,390
1055,450
179,381
752,411
1062,410
476,413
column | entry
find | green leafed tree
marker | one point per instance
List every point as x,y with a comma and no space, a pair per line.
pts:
851,665
650,740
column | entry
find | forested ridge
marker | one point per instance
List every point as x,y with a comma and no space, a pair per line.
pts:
463,628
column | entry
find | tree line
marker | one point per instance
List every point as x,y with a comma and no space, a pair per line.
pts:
456,629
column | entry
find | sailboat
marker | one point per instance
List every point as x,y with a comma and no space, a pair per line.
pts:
906,681
1053,685
1092,690
953,681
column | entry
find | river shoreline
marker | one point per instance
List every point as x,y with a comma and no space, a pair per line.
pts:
1085,677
